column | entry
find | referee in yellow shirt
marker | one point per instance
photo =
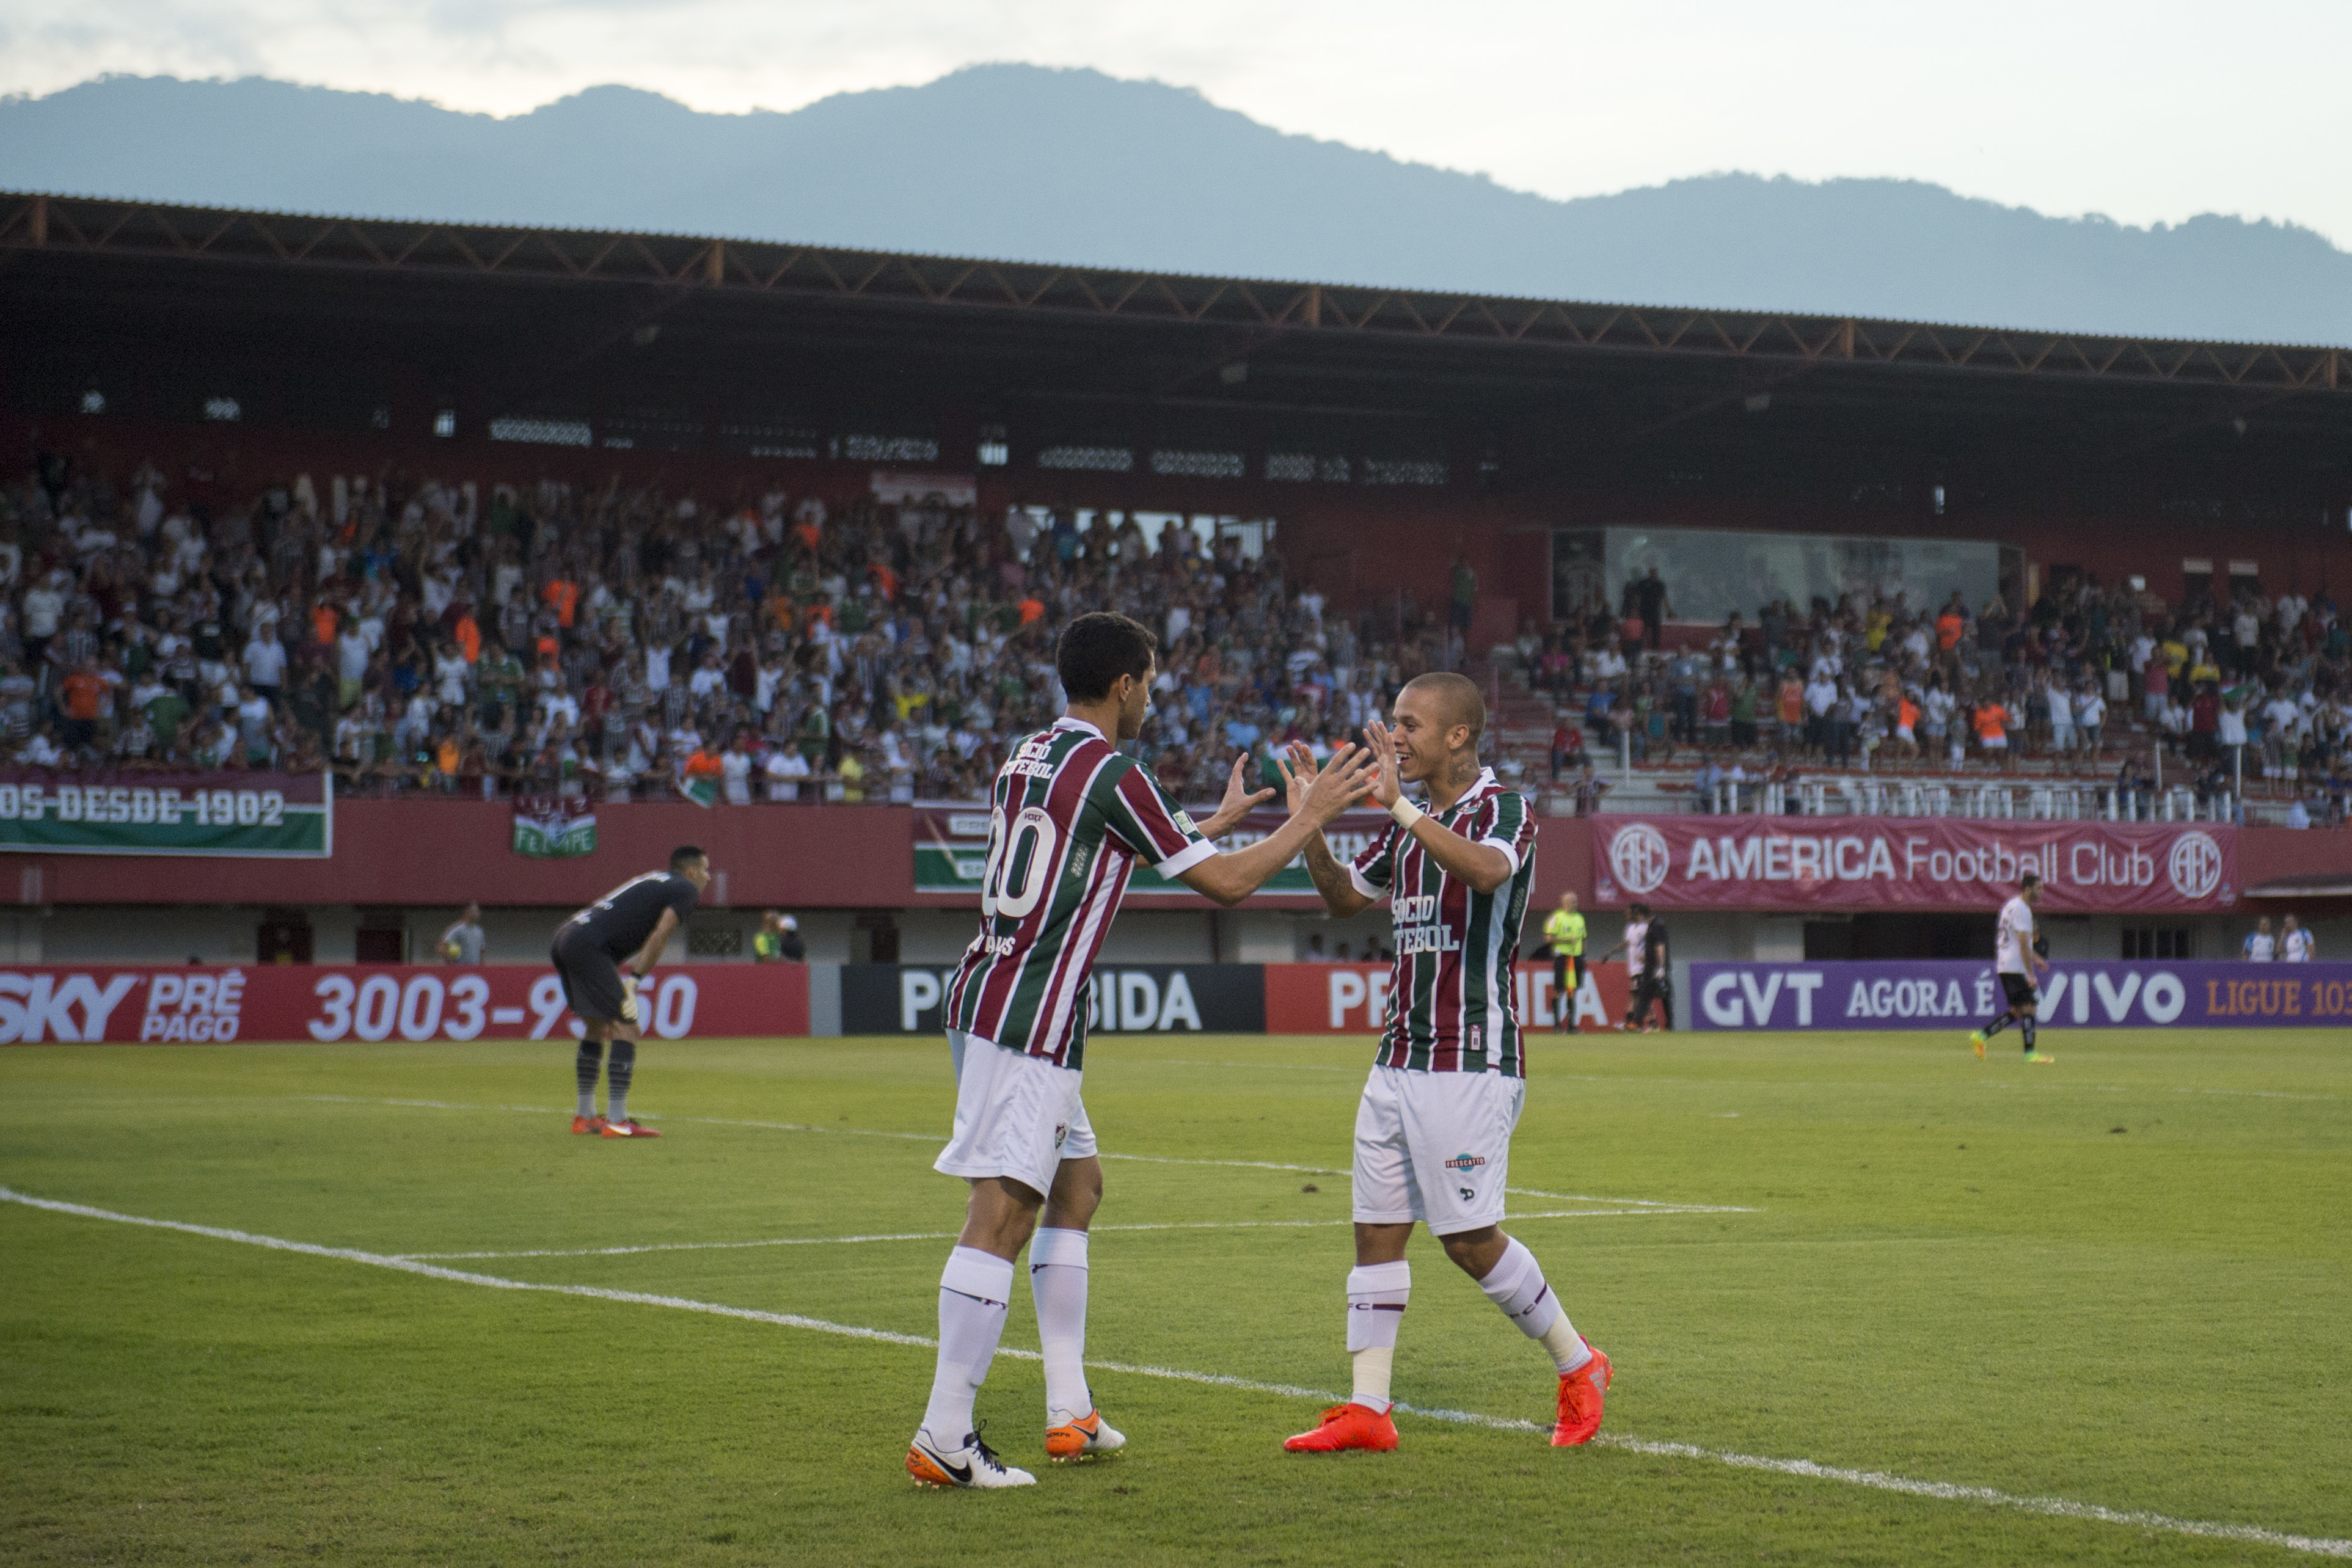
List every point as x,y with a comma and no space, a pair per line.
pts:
1563,928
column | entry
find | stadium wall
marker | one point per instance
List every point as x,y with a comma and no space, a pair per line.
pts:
847,873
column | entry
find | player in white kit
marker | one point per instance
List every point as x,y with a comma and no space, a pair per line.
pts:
2018,966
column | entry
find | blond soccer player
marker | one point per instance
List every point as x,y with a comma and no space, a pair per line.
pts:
1434,1126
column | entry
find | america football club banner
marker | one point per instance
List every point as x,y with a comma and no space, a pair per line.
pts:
1957,995
952,849
248,814
549,828
322,1003
1912,864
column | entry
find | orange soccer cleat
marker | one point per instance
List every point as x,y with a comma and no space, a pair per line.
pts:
587,1124
1349,1426
628,1130
1088,1433
1580,1396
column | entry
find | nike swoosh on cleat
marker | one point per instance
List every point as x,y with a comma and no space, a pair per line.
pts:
960,1474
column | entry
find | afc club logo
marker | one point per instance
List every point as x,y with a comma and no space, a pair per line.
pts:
2195,865
1639,856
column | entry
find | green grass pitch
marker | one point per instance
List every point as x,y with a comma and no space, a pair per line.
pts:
2121,1282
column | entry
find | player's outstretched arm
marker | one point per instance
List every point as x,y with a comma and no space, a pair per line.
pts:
1483,866
1340,893
1227,879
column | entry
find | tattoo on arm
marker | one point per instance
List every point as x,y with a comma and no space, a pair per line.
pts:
1330,878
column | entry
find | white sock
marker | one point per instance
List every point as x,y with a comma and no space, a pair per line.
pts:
1518,1286
973,1290
1376,1294
1057,1284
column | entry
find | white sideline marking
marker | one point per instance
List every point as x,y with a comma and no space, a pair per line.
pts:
1660,1205
1943,1492
951,1235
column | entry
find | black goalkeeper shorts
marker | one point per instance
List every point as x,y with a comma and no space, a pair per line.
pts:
2020,990
591,981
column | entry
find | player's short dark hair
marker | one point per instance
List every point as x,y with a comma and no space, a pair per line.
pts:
2031,879
683,856
1097,648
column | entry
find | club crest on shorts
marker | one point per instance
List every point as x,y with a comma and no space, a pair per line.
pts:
1061,1133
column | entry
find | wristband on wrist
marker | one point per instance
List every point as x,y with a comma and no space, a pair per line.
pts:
1406,813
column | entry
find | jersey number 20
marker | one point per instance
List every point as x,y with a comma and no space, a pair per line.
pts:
1020,863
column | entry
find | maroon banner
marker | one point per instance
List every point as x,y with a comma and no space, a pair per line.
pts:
1911,863
1352,999
369,1002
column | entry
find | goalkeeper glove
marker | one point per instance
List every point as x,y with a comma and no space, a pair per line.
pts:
629,999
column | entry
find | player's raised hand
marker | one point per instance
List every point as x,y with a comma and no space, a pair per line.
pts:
1240,801
1386,790
1341,783
1298,769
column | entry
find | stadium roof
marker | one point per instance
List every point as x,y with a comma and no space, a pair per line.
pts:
526,316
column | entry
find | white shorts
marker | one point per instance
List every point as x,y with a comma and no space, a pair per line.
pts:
1017,1115
1434,1146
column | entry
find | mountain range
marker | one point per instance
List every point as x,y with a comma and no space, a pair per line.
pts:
1027,163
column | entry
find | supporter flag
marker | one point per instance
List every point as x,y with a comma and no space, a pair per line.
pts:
553,828
703,793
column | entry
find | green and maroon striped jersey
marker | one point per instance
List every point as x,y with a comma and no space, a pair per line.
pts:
1450,997
1067,821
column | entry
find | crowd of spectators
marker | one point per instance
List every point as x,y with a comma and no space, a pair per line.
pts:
2236,686
561,636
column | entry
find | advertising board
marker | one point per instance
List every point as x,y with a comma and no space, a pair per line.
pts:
1352,999
1747,863
1957,995
1124,998
267,815
370,1002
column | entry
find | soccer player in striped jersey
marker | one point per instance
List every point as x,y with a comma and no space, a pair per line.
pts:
1070,816
1434,1128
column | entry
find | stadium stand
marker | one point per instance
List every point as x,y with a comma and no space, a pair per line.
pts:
427,634
629,644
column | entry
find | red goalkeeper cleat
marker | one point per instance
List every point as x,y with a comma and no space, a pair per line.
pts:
628,1130
1581,1394
1347,1426
587,1126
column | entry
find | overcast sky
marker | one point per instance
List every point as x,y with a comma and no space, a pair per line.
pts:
2147,111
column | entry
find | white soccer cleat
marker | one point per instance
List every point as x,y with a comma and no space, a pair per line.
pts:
1080,1436
970,1463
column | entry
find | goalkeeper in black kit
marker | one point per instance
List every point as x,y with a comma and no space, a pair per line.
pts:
602,954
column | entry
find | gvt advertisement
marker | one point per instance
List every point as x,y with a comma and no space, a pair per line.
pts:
1958,994
1124,998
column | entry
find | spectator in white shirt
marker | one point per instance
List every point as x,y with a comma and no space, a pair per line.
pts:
265,660
785,769
2062,719
2090,714
735,770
